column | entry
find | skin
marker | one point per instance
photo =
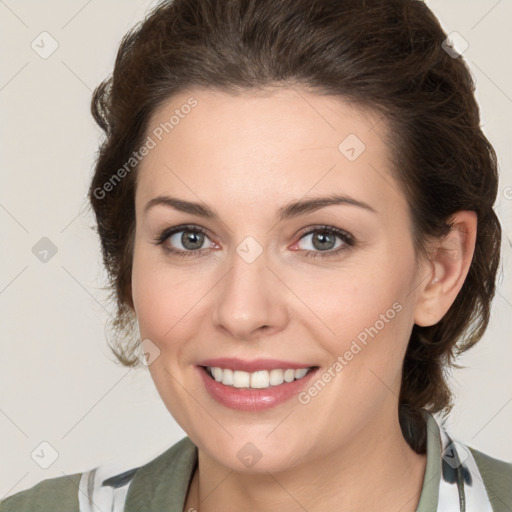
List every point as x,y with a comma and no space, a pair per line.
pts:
245,157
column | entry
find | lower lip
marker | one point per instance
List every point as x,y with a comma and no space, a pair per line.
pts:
244,399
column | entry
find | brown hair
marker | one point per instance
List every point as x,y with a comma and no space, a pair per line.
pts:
384,54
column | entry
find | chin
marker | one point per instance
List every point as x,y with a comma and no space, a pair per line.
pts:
255,453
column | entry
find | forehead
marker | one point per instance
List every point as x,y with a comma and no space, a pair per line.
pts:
251,145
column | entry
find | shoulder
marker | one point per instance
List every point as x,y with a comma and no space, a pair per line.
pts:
54,494
497,477
103,486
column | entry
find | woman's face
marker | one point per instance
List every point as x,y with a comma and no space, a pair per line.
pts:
271,280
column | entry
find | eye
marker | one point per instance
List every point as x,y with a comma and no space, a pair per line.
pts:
323,241
326,239
184,240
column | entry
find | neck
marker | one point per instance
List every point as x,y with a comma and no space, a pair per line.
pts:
378,471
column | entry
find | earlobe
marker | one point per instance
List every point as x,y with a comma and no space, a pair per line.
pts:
449,263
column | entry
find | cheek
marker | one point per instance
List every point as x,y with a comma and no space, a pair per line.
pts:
364,312
155,295
164,299
167,300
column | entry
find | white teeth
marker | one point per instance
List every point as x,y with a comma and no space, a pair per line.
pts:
217,374
260,379
257,380
289,375
240,379
276,377
227,377
300,373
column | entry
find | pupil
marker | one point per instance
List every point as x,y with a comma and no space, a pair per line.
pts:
192,239
324,239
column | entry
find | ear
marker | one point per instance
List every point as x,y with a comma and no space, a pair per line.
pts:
449,262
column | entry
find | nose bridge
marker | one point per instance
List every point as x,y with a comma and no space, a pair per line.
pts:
249,298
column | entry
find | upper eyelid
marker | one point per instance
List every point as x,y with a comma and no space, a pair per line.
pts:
335,230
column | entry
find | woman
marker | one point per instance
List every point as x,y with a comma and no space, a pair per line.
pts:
295,204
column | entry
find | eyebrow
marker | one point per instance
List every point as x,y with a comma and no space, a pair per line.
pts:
292,209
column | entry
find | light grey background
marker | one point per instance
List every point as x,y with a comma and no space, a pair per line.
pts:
58,382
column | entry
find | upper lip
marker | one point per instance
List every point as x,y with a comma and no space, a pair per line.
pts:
254,365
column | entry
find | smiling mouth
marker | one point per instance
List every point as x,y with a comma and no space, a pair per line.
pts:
262,379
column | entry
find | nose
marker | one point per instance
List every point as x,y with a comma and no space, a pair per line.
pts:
251,300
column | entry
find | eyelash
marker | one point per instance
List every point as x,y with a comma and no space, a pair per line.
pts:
347,239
